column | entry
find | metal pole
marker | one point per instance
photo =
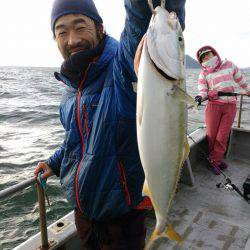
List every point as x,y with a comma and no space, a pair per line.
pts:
16,188
240,110
42,213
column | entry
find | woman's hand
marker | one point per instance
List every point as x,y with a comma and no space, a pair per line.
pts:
198,99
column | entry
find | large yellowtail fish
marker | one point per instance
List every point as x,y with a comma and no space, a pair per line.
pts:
162,113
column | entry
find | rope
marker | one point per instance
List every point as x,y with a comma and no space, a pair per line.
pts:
43,183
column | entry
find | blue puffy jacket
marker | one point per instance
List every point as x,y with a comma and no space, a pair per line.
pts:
98,163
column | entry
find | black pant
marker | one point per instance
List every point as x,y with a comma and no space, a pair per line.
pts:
125,233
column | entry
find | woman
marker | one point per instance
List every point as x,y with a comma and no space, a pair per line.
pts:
218,75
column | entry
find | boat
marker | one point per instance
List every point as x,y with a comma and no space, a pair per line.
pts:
208,211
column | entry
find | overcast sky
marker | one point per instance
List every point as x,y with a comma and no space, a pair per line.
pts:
26,38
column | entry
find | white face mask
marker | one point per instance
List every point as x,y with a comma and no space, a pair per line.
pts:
211,62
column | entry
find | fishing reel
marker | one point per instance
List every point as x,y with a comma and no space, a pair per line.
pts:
227,185
246,188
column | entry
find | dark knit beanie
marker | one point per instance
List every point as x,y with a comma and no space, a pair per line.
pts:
64,7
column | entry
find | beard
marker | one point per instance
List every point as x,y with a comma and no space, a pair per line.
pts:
76,63
83,46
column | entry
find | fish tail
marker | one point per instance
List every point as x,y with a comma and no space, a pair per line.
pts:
160,239
172,234
154,235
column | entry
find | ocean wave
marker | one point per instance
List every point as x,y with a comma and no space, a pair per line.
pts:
7,79
7,95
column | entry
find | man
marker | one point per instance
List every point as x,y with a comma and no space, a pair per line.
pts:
98,162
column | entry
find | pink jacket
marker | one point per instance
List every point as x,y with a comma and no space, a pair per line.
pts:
221,78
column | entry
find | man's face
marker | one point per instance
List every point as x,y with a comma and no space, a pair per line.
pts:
74,33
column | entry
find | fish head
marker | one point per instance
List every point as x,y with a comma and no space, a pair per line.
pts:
165,43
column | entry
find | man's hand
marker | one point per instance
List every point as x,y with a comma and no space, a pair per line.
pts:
46,168
198,99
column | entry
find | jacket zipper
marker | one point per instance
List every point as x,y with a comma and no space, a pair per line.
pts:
124,182
85,119
79,122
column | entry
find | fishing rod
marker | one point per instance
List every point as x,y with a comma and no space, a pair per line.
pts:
198,105
221,93
228,184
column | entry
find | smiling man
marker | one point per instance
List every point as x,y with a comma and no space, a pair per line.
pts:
75,33
98,162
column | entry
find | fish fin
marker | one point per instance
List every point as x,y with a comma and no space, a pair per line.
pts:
154,235
145,190
183,96
134,85
138,54
186,151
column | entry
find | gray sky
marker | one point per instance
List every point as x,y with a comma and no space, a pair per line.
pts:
26,38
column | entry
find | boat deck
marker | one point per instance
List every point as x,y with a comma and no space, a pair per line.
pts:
208,217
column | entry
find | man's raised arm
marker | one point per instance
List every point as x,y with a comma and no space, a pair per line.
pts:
138,16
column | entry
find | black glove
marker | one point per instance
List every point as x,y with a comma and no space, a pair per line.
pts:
198,99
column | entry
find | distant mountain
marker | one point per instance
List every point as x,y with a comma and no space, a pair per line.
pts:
191,63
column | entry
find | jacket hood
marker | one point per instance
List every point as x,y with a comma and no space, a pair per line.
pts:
204,48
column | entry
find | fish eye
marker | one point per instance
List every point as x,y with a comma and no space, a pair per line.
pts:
180,39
